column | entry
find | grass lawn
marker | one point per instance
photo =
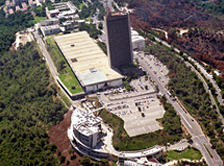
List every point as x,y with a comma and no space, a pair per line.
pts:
66,75
70,80
121,140
81,6
191,153
38,19
57,56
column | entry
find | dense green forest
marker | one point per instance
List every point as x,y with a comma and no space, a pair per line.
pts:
103,46
215,7
91,10
2,2
28,107
91,29
10,25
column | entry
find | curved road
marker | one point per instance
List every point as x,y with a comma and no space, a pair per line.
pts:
198,137
202,69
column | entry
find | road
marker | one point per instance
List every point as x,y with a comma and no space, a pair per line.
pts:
201,68
46,54
161,30
198,137
207,90
209,77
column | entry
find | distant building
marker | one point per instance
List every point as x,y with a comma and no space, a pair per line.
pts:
15,5
19,2
81,22
48,22
11,11
68,17
138,42
54,12
62,6
69,25
50,30
32,3
118,39
16,2
17,8
24,6
10,5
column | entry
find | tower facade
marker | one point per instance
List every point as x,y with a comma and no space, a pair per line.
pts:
118,39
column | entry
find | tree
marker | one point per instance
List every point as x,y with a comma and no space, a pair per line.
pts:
85,160
146,77
146,87
104,162
100,26
23,128
62,159
61,65
181,53
188,136
72,151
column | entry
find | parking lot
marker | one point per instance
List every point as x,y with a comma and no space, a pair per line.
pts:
138,112
141,87
139,108
142,84
156,66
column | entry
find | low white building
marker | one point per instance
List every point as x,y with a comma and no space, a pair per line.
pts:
69,25
81,22
47,22
54,12
138,42
50,30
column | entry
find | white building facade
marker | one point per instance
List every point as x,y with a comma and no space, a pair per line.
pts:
90,136
138,42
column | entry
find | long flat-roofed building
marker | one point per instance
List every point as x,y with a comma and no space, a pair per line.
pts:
88,61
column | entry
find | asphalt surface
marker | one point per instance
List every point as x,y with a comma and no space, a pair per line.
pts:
123,105
46,54
207,90
202,69
198,137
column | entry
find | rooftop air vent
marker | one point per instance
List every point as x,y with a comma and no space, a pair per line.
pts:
74,60
92,70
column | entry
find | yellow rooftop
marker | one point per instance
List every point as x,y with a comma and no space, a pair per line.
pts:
87,60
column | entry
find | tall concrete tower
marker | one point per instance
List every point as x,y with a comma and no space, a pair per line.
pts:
118,39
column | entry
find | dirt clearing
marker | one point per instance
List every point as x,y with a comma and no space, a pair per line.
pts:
58,135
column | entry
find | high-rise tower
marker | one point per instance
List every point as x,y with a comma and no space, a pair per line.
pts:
118,39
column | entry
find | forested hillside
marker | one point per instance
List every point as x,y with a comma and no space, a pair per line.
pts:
10,25
205,38
185,84
28,106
